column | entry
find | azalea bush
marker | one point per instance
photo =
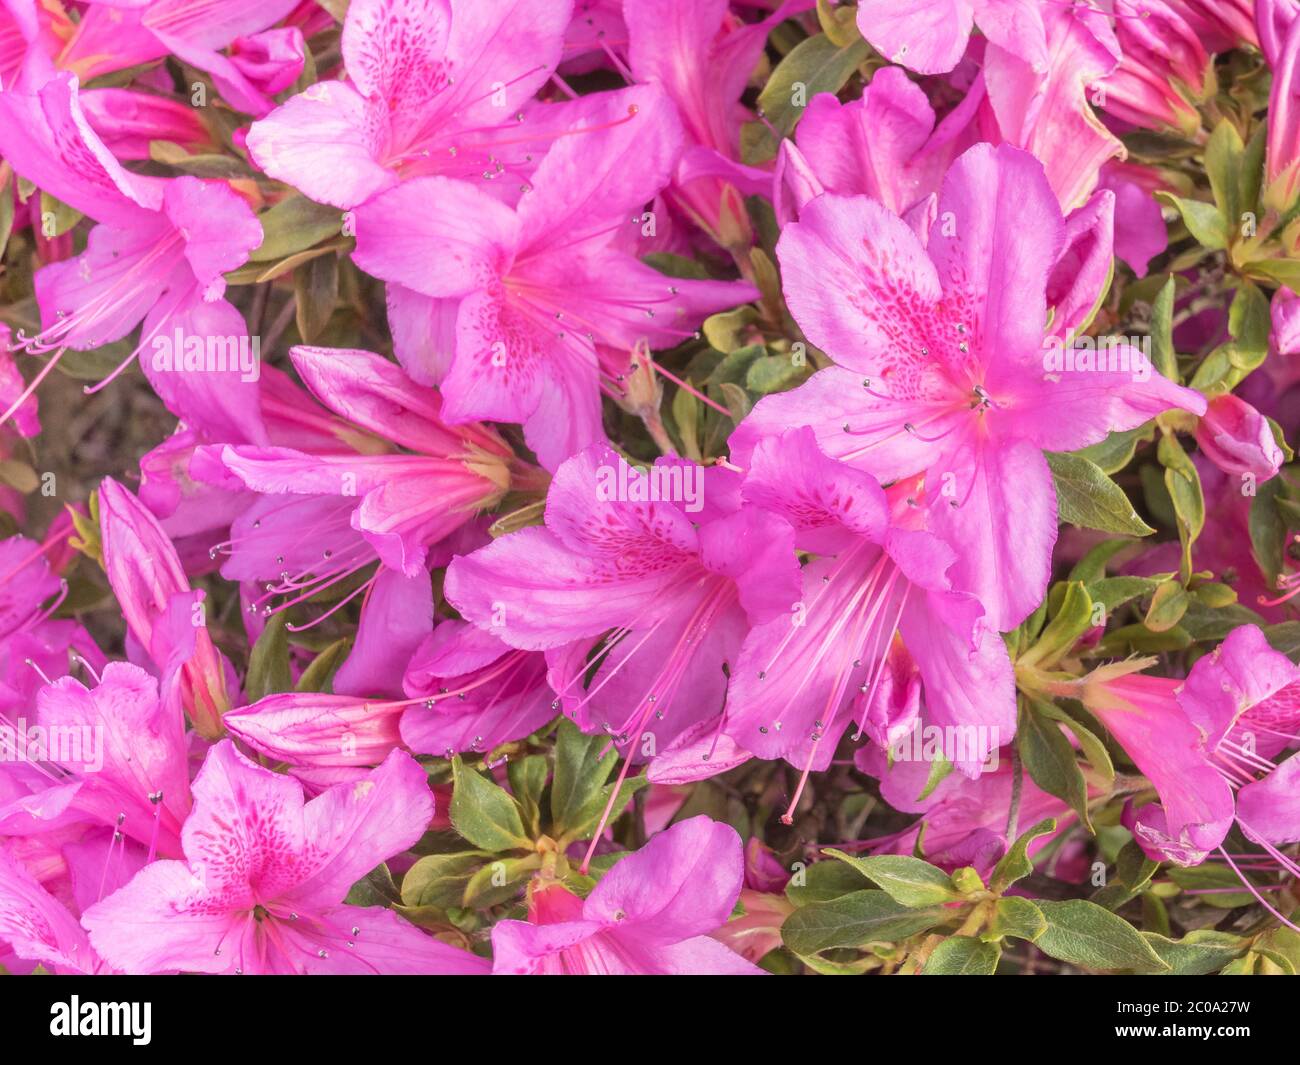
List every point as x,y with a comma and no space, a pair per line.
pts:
649,486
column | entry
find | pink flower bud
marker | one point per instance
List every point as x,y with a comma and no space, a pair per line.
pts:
1238,439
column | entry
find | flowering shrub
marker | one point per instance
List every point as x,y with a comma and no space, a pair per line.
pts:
649,486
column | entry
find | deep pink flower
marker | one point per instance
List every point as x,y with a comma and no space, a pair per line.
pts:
803,677
528,314
265,873
943,359
435,87
658,595
159,254
651,915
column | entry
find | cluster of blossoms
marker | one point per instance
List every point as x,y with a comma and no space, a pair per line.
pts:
653,486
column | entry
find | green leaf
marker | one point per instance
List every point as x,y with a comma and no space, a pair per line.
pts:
499,880
813,66
528,777
268,664
1183,483
1267,529
1117,450
963,956
855,920
1203,220
823,881
1216,885
1015,864
1114,592
1197,953
1162,333
1085,496
316,288
6,212
1072,620
57,217
1085,934
484,813
1281,946
1133,871
439,879
1050,760
906,880
1018,917
292,225
1223,152
376,888
579,793
1168,605
1093,749
319,676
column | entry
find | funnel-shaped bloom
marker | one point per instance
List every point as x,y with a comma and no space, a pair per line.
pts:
360,507
944,365
1238,439
435,87
651,915
157,257
886,144
265,873
802,678
1047,110
472,692
652,577
120,760
1143,713
525,310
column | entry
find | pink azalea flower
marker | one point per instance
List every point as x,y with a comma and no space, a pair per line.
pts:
1222,24
311,730
703,56
1201,739
1047,110
537,309
1280,37
361,507
658,595
114,36
129,772
963,819
38,928
436,87
33,645
262,885
470,691
886,144
158,255
943,359
651,915
1144,715
930,36
801,678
